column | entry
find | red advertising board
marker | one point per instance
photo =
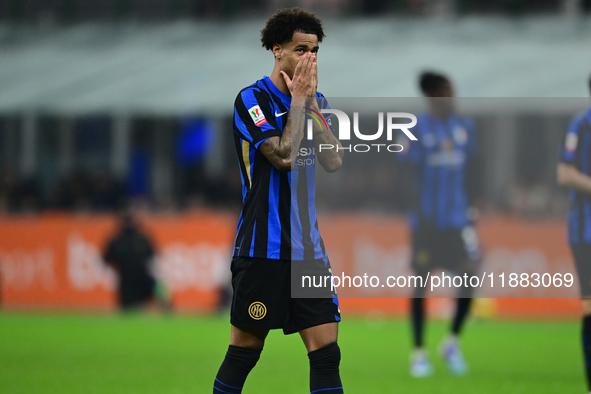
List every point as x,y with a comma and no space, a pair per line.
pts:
54,261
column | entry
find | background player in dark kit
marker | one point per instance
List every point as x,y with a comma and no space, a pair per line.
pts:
131,253
574,172
269,123
439,169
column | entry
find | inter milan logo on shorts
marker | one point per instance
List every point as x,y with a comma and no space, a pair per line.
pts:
257,310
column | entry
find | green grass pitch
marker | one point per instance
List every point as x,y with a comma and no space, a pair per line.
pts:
149,354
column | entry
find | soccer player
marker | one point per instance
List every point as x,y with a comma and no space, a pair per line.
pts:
574,172
438,169
278,223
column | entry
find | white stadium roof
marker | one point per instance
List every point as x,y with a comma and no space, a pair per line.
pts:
200,67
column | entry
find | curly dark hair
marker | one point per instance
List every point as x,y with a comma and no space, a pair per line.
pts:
281,26
430,82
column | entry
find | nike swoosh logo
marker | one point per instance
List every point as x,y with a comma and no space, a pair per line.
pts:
281,114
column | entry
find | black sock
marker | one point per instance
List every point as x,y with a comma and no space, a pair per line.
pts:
324,370
237,365
462,310
418,320
586,337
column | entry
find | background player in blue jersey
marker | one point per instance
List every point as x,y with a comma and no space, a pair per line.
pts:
574,172
276,226
438,167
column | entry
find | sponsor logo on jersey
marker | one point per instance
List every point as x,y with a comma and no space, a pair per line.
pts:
447,145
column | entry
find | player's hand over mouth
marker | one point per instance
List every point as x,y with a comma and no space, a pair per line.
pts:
305,77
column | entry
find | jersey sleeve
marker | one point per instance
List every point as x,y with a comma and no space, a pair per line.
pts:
253,117
472,143
412,151
472,168
571,144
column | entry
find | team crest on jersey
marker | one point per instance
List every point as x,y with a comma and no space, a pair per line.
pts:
571,142
448,145
460,135
257,115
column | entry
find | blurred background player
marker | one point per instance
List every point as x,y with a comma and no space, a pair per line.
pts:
574,172
269,122
131,253
438,167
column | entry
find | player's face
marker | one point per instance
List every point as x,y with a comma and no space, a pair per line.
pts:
289,54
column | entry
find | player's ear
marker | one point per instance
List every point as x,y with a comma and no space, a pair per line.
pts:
277,51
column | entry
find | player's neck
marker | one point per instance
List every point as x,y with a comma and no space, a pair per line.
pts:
279,82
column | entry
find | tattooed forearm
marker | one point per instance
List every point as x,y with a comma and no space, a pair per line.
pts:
330,159
282,151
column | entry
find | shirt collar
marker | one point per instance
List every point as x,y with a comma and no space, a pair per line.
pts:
276,90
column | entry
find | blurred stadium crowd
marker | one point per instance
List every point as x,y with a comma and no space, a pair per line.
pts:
75,168
96,159
188,164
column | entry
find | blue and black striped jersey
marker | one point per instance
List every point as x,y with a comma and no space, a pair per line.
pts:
278,220
440,157
577,152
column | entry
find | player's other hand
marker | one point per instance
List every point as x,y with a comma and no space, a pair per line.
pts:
305,77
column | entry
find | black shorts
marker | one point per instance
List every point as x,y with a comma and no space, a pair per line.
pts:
262,298
582,256
454,250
